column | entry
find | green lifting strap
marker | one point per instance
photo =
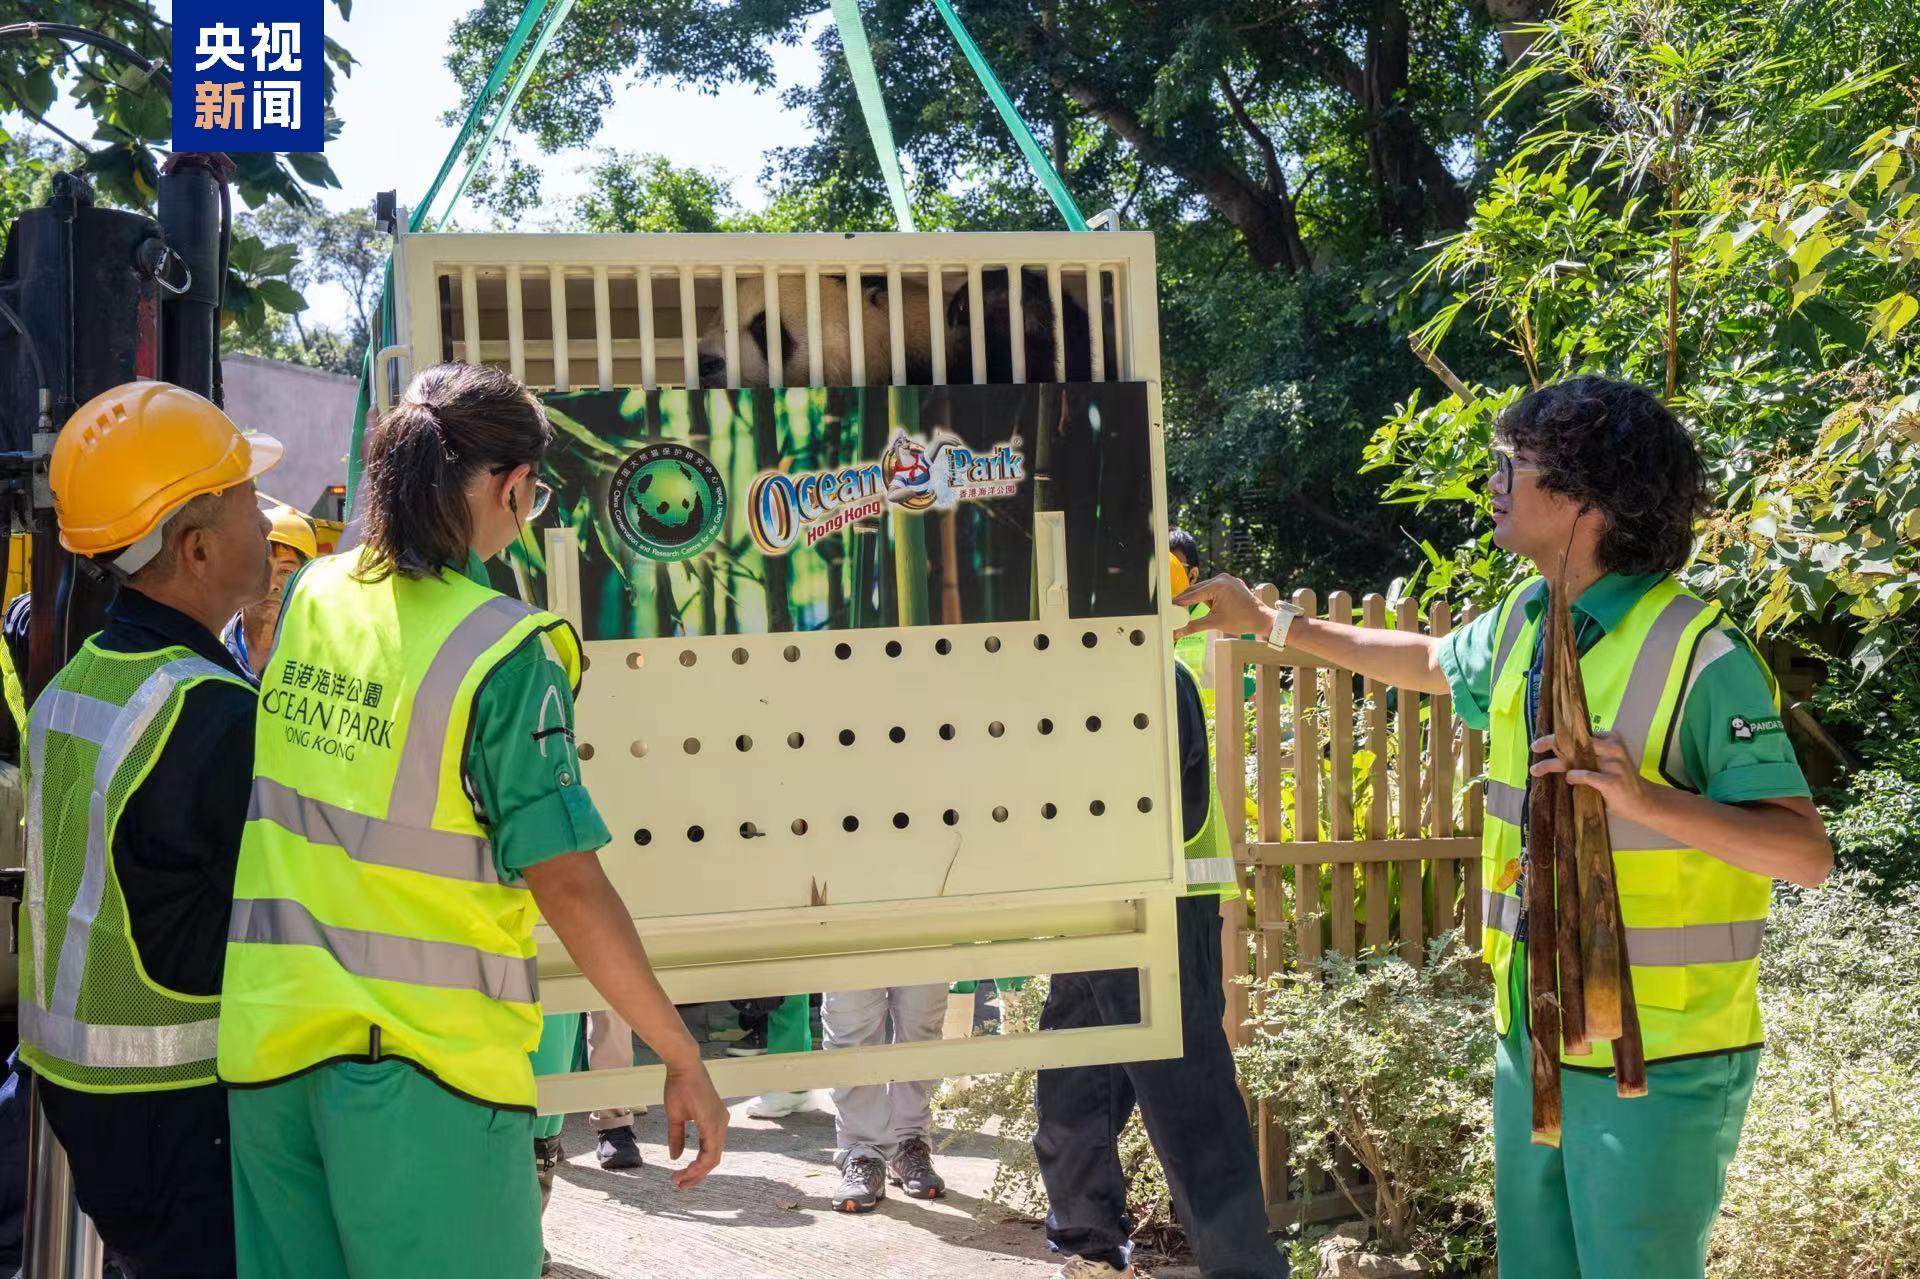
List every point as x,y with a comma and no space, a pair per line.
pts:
384,333
1022,135
866,86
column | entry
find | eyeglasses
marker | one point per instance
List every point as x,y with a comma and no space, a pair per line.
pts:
1505,468
542,493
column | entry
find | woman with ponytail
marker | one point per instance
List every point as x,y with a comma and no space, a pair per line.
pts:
416,807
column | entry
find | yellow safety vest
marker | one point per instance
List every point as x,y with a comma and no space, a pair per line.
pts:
90,1016
368,917
1693,922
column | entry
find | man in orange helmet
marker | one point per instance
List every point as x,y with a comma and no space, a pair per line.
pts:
139,761
291,543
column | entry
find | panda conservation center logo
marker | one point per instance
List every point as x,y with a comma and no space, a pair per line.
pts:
668,502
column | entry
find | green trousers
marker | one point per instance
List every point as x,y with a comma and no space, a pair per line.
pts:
790,1026
557,1053
1635,1185
373,1171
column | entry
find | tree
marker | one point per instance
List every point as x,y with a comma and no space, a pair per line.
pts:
132,117
1725,206
1232,106
341,249
648,193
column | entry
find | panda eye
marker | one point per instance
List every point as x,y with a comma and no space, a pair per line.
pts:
757,329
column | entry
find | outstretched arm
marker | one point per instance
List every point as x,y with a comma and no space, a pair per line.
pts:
1404,659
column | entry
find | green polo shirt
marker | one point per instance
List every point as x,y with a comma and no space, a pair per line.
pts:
1716,753
522,767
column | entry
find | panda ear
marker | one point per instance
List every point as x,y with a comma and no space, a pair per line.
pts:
874,291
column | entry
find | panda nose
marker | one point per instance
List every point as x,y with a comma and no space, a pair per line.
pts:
713,370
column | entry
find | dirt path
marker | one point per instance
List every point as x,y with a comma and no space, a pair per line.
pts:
764,1215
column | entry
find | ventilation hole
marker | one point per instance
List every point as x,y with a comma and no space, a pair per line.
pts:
586,750
1098,808
993,643
1140,720
943,646
796,740
586,663
1049,812
1046,726
643,837
636,660
799,826
743,743
1042,643
1089,640
791,652
695,834
999,814
900,821
946,732
692,745
846,737
689,657
1137,638
843,651
849,823
1093,723
749,831
639,749
951,817
996,729
893,648
739,657
1145,805
896,734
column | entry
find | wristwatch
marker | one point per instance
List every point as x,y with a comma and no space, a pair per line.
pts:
1283,615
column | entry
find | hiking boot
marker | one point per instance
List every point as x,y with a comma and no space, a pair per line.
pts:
863,1184
547,1154
911,1169
1092,1268
751,1044
617,1149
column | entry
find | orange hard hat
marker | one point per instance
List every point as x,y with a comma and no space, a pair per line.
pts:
290,528
131,457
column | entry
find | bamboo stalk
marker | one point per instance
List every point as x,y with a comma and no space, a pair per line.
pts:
1629,1052
1599,917
1555,793
1543,1006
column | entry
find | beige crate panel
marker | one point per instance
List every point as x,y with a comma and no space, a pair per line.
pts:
752,773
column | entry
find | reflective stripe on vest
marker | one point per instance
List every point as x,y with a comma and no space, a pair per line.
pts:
1655,947
1205,872
1694,924
60,1040
385,957
369,839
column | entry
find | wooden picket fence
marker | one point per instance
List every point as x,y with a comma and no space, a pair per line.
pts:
1363,832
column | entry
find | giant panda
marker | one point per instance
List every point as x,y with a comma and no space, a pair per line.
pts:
837,366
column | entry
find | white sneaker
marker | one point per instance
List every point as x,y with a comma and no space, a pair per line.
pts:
1090,1268
778,1105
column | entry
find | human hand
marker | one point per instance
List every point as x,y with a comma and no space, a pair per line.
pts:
1232,608
1615,774
690,1097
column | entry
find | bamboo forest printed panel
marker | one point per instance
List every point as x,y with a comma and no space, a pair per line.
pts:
739,512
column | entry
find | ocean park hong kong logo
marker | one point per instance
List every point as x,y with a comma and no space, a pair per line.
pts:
913,474
668,502
247,75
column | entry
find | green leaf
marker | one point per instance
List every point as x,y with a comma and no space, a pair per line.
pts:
1835,323
1811,252
1886,169
1805,288
1894,314
281,296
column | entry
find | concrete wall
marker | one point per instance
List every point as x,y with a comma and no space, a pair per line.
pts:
308,410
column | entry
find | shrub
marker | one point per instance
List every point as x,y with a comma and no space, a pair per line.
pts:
1378,1062
1876,833
1823,1185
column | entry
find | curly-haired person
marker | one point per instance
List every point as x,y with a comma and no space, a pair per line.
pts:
1706,806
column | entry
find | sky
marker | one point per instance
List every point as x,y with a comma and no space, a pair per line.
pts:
392,137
